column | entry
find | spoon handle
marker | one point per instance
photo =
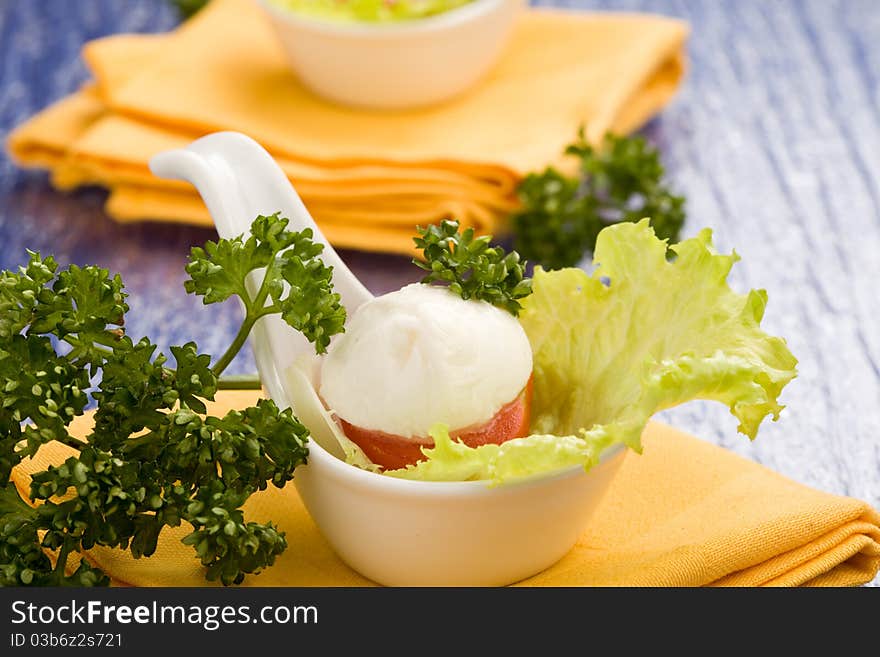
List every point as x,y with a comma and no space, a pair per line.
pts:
238,180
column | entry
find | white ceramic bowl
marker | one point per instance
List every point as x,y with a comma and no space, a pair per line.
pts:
415,533
419,533
397,65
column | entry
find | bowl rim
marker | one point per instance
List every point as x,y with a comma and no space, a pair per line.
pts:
354,475
448,19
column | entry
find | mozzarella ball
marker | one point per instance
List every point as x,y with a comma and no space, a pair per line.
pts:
422,355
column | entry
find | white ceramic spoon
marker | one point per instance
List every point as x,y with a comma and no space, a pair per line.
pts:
239,180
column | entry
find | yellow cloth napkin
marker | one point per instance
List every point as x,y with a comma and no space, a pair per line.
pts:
684,513
368,177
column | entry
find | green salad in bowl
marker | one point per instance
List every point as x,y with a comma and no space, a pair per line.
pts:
370,11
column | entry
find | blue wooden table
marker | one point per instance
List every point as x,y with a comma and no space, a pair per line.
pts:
774,139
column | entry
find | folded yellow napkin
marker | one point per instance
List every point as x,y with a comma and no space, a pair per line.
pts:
684,513
369,177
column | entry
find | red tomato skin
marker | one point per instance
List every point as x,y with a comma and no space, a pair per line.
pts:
393,452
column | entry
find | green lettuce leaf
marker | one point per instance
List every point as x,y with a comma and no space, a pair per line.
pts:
517,459
638,335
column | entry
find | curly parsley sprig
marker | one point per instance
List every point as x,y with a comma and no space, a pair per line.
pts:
620,181
153,459
472,267
296,284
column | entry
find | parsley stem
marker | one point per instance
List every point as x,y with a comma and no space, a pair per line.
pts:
106,340
71,441
242,382
61,563
255,310
236,345
76,342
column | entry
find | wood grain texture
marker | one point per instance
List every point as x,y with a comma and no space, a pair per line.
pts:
774,139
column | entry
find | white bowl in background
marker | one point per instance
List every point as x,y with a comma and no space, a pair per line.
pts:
395,65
